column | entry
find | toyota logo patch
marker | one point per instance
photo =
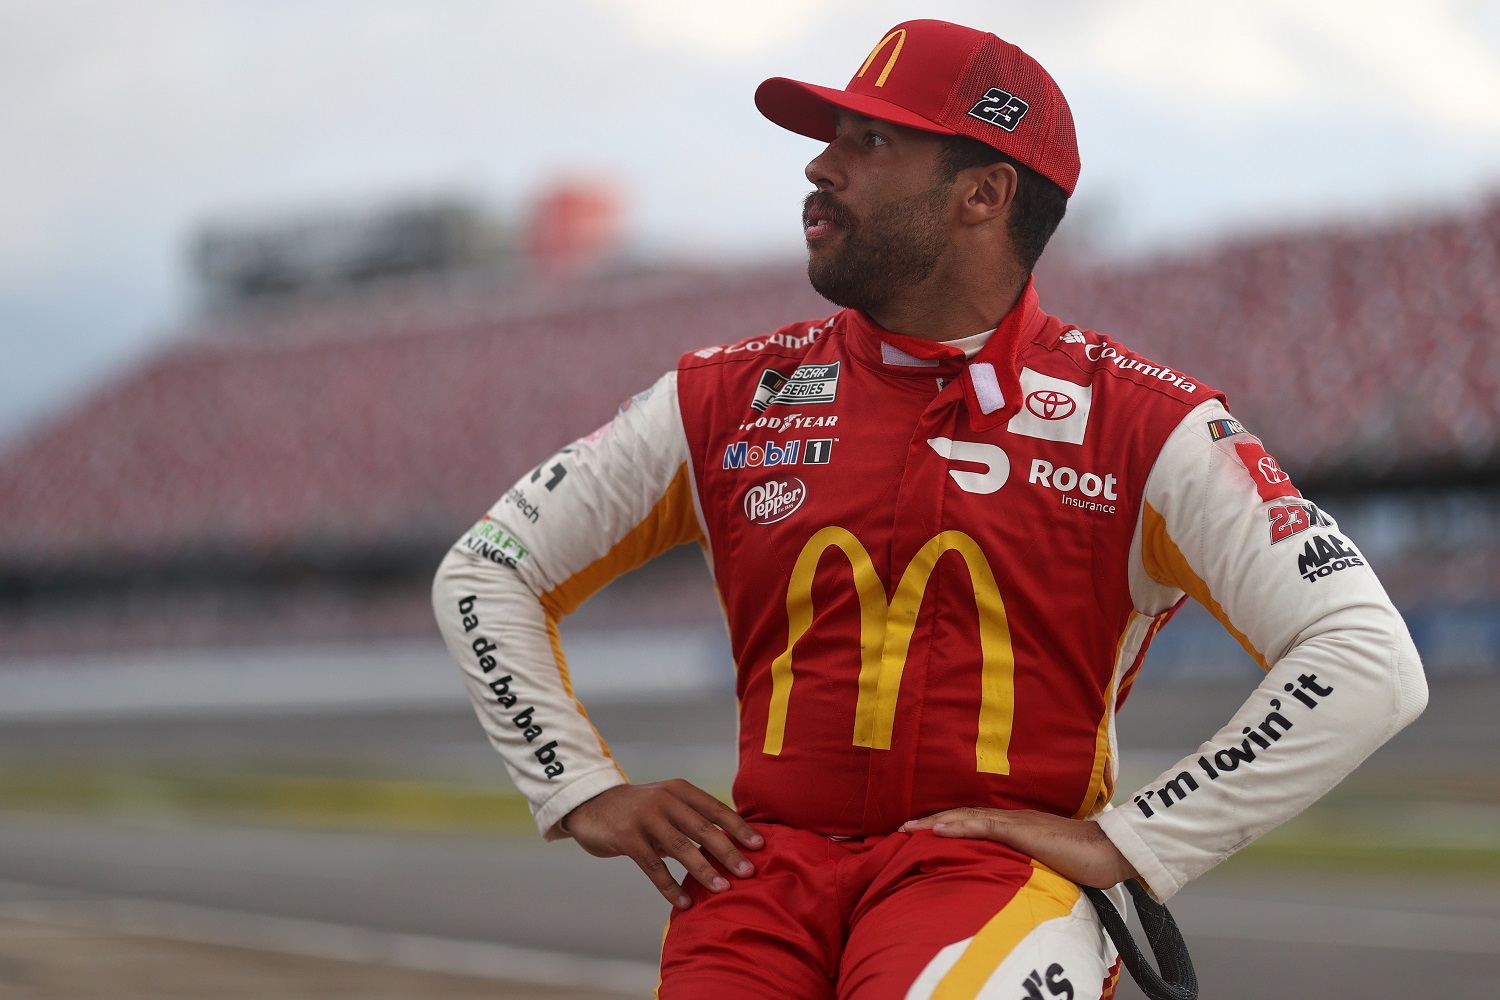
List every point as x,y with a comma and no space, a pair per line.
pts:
1272,471
1051,405
1271,480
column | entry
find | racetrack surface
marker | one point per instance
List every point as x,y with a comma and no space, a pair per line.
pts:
442,903
1304,937
44,961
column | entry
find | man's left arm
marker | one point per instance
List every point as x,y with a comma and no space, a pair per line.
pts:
1224,524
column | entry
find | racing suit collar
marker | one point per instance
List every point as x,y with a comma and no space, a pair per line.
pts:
898,355
991,380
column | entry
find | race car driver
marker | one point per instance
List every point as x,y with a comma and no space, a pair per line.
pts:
944,527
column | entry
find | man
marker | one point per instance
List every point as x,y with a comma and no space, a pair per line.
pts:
961,526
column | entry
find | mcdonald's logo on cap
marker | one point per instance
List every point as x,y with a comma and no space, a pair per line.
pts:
947,68
900,36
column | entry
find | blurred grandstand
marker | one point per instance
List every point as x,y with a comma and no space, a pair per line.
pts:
295,465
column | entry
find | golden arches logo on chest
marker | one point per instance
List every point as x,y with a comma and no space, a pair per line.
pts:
885,634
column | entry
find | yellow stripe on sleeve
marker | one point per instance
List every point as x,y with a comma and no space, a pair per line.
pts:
1045,896
555,638
1166,564
671,522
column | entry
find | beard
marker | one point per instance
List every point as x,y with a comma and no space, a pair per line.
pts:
897,246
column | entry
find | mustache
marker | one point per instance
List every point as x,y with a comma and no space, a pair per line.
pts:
824,205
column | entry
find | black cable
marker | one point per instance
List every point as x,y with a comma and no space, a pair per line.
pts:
1177,980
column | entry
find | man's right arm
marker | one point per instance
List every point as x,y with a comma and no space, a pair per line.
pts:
596,509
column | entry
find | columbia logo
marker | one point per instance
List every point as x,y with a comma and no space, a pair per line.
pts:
708,352
1074,337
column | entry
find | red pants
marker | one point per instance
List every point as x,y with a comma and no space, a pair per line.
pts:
895,917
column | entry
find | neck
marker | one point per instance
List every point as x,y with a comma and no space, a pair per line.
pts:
940,309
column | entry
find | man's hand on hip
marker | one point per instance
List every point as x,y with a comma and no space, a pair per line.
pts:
1074,848
665,819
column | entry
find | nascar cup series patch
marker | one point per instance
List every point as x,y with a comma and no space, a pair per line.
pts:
808,384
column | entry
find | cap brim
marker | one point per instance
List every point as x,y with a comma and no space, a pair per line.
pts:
808,110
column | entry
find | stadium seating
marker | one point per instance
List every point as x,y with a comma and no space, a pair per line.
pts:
313,431
330,429
1354,353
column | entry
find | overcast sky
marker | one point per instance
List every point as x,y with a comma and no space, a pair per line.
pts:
126,123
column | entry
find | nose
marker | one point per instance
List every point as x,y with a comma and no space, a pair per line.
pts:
825,170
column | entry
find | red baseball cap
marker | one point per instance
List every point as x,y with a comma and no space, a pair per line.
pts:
945,78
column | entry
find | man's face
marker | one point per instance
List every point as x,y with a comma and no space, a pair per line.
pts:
879,219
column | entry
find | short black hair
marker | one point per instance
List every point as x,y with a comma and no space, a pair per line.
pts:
1039,205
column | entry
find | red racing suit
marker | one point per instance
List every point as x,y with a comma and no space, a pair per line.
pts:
941,574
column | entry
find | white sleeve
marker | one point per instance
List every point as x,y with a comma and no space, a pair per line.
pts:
1342,673
598,508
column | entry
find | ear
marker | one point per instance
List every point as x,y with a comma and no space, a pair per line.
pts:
988,193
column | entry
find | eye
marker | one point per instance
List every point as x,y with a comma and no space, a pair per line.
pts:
875,139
